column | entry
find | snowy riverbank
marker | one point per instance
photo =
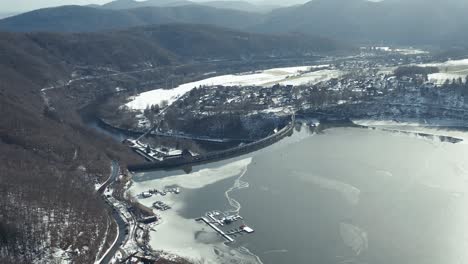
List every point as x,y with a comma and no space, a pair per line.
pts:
438,127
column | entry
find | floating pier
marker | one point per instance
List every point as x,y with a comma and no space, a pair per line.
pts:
216,220
221,232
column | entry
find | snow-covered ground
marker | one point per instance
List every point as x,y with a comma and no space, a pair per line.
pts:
292,75
312,77
449,63
402,51
186,237
411,51
441,77
451,69
431,126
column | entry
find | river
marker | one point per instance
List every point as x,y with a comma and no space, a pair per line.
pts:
345,196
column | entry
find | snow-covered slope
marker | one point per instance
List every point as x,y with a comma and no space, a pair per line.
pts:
449,70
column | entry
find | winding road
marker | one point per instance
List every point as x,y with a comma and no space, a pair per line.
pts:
117,217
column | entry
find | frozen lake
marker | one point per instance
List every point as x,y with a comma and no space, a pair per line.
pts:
345,196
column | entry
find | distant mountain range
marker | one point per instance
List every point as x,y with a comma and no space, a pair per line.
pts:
263,7
158,45
129,4
88,19
389,21
234,5
409,22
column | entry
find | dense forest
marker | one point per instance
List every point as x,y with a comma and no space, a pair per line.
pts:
49,165
414,70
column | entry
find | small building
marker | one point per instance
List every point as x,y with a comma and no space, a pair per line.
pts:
146,194
148,219
247,229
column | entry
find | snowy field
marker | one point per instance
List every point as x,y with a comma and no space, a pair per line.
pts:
402,51
312,77
292,75
450,63
411,51
187,238
441,77
452,69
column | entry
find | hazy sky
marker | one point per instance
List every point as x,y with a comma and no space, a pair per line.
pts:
7,6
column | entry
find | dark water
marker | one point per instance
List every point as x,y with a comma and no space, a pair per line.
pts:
351,196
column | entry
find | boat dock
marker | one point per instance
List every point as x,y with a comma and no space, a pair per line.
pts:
218,220
221,232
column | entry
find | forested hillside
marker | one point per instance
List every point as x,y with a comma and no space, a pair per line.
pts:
159,45
89,19
49,165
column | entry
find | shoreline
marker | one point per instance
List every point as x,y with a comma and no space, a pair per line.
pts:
217,155
452,131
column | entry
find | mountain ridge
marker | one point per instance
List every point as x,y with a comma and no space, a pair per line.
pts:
88,19
398,22
238,5
163,44
412,22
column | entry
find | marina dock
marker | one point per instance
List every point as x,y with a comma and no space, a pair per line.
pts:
217,220
221,232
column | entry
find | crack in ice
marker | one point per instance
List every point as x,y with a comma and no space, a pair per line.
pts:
238,185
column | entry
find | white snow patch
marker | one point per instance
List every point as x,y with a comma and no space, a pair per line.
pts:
312,77
383,48
449,63
441,77
411,51
451,69
275,110
403,51
432,126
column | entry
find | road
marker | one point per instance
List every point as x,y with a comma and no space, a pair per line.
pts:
120,239
117,217
113,176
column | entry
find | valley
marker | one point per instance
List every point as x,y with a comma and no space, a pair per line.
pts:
292,131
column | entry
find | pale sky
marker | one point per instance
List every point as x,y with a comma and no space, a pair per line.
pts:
7,6
26,5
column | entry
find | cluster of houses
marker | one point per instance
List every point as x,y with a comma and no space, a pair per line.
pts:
364,80
155,154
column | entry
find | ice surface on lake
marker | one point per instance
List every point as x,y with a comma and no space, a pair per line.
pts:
349,192
354,237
